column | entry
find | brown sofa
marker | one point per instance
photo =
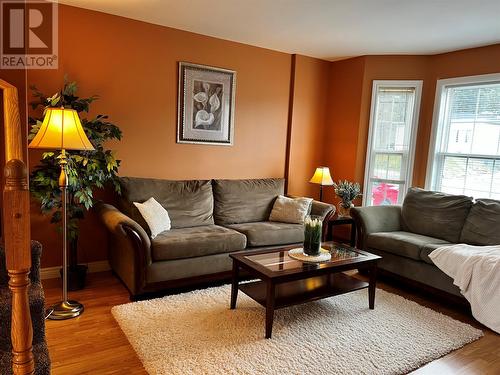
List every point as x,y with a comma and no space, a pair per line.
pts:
210,218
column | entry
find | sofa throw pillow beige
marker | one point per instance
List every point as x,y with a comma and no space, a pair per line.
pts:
290,210
155,216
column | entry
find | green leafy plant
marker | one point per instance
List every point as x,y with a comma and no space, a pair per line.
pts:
347,191
87,170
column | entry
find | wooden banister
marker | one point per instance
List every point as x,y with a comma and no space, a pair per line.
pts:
16,229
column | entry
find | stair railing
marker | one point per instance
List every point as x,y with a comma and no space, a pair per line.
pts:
16,230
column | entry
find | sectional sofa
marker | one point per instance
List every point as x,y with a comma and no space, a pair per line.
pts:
210,219
405,235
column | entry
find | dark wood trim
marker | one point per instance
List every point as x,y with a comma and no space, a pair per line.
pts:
168,287
298,292
334,221
140,259
403,282
290,120
328,217
262,272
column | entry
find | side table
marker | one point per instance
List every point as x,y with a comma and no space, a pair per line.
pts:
342,220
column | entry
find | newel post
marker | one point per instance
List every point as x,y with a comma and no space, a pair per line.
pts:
16,222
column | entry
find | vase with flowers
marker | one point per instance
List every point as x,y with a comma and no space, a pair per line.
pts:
313,228
347,191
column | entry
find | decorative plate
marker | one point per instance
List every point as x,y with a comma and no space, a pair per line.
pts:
299,254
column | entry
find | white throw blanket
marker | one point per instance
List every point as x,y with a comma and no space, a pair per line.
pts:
476,271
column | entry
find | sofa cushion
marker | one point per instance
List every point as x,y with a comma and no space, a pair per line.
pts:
270,233
429,248
245,201
483,223
435,214
402,243
189,203
196,241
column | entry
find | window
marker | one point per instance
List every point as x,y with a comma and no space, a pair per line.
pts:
465,148
391,141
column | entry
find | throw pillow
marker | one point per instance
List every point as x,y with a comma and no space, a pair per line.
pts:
155,216
290,210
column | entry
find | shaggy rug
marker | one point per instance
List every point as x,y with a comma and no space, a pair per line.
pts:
197,333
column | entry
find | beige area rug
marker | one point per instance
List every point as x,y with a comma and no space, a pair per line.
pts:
196,333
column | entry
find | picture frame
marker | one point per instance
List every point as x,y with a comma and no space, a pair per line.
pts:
206,105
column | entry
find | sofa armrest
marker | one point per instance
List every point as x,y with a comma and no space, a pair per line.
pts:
130,246
115,221
375,219
324,210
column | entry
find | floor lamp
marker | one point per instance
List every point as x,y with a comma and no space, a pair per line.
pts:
62,130
322,178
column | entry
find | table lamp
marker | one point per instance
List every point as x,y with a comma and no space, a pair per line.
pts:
62,130
322,178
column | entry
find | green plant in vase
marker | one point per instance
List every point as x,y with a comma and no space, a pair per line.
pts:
347,191
87,170
313,229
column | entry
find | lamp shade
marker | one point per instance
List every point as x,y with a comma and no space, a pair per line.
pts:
322,177
62,130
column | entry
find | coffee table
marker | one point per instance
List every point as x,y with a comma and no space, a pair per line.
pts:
284,281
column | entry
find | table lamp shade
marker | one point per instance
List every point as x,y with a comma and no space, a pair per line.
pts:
322,177
62,130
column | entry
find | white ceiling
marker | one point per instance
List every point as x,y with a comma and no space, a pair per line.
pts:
328,29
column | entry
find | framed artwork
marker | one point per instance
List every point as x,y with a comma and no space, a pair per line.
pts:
206,105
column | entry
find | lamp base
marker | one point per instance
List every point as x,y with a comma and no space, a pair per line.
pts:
66,310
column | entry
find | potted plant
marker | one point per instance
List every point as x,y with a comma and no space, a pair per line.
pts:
347,191
312,235
87,170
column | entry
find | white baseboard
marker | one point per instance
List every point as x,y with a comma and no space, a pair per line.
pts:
53,272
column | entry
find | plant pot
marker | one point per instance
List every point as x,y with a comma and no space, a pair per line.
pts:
76,276
343,211
312,235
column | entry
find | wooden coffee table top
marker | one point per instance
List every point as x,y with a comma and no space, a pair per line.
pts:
276,264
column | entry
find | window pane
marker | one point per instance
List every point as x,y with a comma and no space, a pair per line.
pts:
384,194
388,166
393,124
485,139
453,175
392,131
469,126
495,186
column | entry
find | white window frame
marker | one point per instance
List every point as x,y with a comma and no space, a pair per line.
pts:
437,117
417,85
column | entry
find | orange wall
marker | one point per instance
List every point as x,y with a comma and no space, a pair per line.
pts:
132,66
309,111
350,98
342,119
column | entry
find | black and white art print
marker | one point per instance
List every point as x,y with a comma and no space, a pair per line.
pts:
206,104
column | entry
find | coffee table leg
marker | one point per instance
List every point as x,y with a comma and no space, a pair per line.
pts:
371,287
234,284
269,308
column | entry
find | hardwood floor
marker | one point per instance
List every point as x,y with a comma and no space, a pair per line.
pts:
94,343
